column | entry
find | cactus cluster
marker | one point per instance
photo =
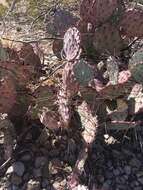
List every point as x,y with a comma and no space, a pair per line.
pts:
103,65
108,27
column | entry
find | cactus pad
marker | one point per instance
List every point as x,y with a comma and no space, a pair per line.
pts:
136,64
7,95
97,12
83,72
132,23
113,69
108,40
71,44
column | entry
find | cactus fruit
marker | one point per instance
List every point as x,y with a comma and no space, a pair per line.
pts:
131,24
107,40
97,12
71,44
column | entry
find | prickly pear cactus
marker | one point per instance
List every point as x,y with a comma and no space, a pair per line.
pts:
71,44
107,39
113,69
69,88
136,65
83,72
59,20
131,24
97,12
7,95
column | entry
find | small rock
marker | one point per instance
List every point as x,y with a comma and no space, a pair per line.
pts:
106,185
81,187
121,187
26,157
116,172
54,153
63,183
100,178
37,172
140,180
139,174
126,177
137,188
17,167
110,140
56,185
14,187
133,184
40,161
45,183
135,163
33,185
15,179
109,175
9,171
127,170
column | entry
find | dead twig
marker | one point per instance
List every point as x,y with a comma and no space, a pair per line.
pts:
32,41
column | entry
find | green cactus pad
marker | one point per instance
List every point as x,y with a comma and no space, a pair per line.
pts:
83,72
136,65
137,73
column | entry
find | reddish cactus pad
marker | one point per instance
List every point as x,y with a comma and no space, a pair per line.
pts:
132,23
71,47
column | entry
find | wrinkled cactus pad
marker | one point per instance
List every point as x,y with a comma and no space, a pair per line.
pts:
83,72
71,44
137,73
136,65
131,23
7,95
107,39
97,12
113,69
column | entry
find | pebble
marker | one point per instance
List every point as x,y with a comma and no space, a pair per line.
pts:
138,188
40,161
45,183
140,180
26,158
139,174
56,185
106,184
37,172
116,172
15,179
127,170
135,163
17,167
33,185
14,187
